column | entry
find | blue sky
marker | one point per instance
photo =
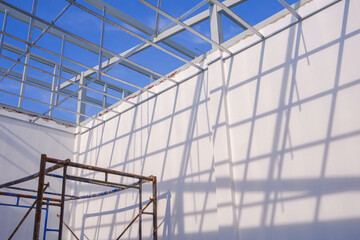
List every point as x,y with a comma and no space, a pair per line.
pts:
87,26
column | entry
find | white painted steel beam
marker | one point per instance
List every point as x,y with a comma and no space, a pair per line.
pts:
216,27
78,84
48,104
15,76
28,47
290,9
27,53
199,18
65,68
70,60
163,36
53,89
135,35
66,33
157,19
237,18
38,58
40,25
81,97
185,26
116,13
3,28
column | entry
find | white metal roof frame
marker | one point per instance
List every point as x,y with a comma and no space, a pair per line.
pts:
93,74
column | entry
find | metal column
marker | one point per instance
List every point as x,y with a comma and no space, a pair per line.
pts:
216,27
39,197
62,203
155,236
82,97
27,58
3,29
140,211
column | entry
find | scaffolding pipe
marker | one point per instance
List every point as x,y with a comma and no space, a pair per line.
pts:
94,181
68,227
24,179
129,225
140,211
31,190
155,236
41,200
99,169
26,214
39,197
9,194
62,204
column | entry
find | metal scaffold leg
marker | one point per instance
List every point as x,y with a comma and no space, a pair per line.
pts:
65,164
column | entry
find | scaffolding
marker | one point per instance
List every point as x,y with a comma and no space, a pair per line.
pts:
41,201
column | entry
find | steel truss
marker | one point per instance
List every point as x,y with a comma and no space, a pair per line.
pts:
41,200
90,78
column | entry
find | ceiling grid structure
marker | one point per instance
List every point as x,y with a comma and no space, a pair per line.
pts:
71,91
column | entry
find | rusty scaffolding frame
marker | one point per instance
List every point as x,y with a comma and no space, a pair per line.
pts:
60,202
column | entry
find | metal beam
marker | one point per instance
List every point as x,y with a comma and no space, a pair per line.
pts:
6,14
81,96
199,18
135,35
65,92
28,46
237,18
216,27
48,86
33,56
116,13
43,71
185,26
70,60
288,7
163,36
66,33
41,26
157,19
27,53
47,104
53,89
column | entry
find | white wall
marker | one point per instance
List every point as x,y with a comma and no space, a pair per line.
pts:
263,145
294,122
21,145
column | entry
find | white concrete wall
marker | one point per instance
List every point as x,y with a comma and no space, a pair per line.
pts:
21,145
263,145
294,122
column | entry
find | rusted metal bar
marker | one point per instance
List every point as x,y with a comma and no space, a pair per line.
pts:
96,194
52,204
102,193
68,227
140,212
148,213
9,194
31,190
24,179
62,202
129,225
99,169
155,236
94,181
26,214
39,197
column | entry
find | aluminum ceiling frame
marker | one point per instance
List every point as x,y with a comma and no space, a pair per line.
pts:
83,78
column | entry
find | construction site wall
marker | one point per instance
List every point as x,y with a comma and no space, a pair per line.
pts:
21,145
